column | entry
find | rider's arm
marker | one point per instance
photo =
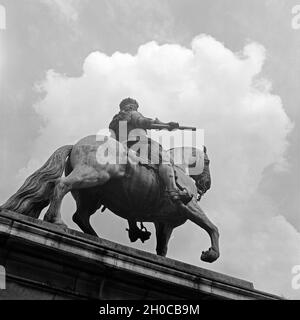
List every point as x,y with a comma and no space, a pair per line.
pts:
139,121
157,121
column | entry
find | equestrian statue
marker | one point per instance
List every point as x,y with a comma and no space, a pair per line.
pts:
127,173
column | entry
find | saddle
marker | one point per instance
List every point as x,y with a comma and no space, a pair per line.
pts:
153,155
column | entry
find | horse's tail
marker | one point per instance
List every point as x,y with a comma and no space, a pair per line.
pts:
35,194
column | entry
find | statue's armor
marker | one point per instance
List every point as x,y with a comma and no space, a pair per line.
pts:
136,120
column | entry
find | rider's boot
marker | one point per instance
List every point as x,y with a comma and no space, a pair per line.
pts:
167,174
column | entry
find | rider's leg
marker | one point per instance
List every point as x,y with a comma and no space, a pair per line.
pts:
167,174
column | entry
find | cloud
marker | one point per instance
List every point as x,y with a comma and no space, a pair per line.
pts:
68,9
246,130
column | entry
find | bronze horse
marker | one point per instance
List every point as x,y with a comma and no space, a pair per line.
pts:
129,189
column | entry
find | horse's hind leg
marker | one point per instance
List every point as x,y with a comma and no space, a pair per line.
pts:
53,213
82,219
80,178
86,207
163,234
196,214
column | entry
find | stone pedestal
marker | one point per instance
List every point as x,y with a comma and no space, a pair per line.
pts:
44,262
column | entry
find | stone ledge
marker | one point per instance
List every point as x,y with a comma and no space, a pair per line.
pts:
44,261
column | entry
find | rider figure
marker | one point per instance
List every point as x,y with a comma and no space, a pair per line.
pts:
135,120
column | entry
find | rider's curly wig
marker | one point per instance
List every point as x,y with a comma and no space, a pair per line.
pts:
128,103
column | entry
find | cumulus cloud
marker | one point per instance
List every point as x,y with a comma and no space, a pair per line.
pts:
246,128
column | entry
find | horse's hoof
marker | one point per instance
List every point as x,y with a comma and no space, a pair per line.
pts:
61,225
210,255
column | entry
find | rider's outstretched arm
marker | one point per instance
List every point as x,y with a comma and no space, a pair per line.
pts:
139,121
146,123
171,125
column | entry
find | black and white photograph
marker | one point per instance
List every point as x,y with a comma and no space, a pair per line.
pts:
149,150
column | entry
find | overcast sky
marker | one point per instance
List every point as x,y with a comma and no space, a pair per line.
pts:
228,67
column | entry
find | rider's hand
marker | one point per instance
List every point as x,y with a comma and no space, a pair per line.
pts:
173,125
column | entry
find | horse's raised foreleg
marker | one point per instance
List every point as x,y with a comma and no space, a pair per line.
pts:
196,214
163,234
